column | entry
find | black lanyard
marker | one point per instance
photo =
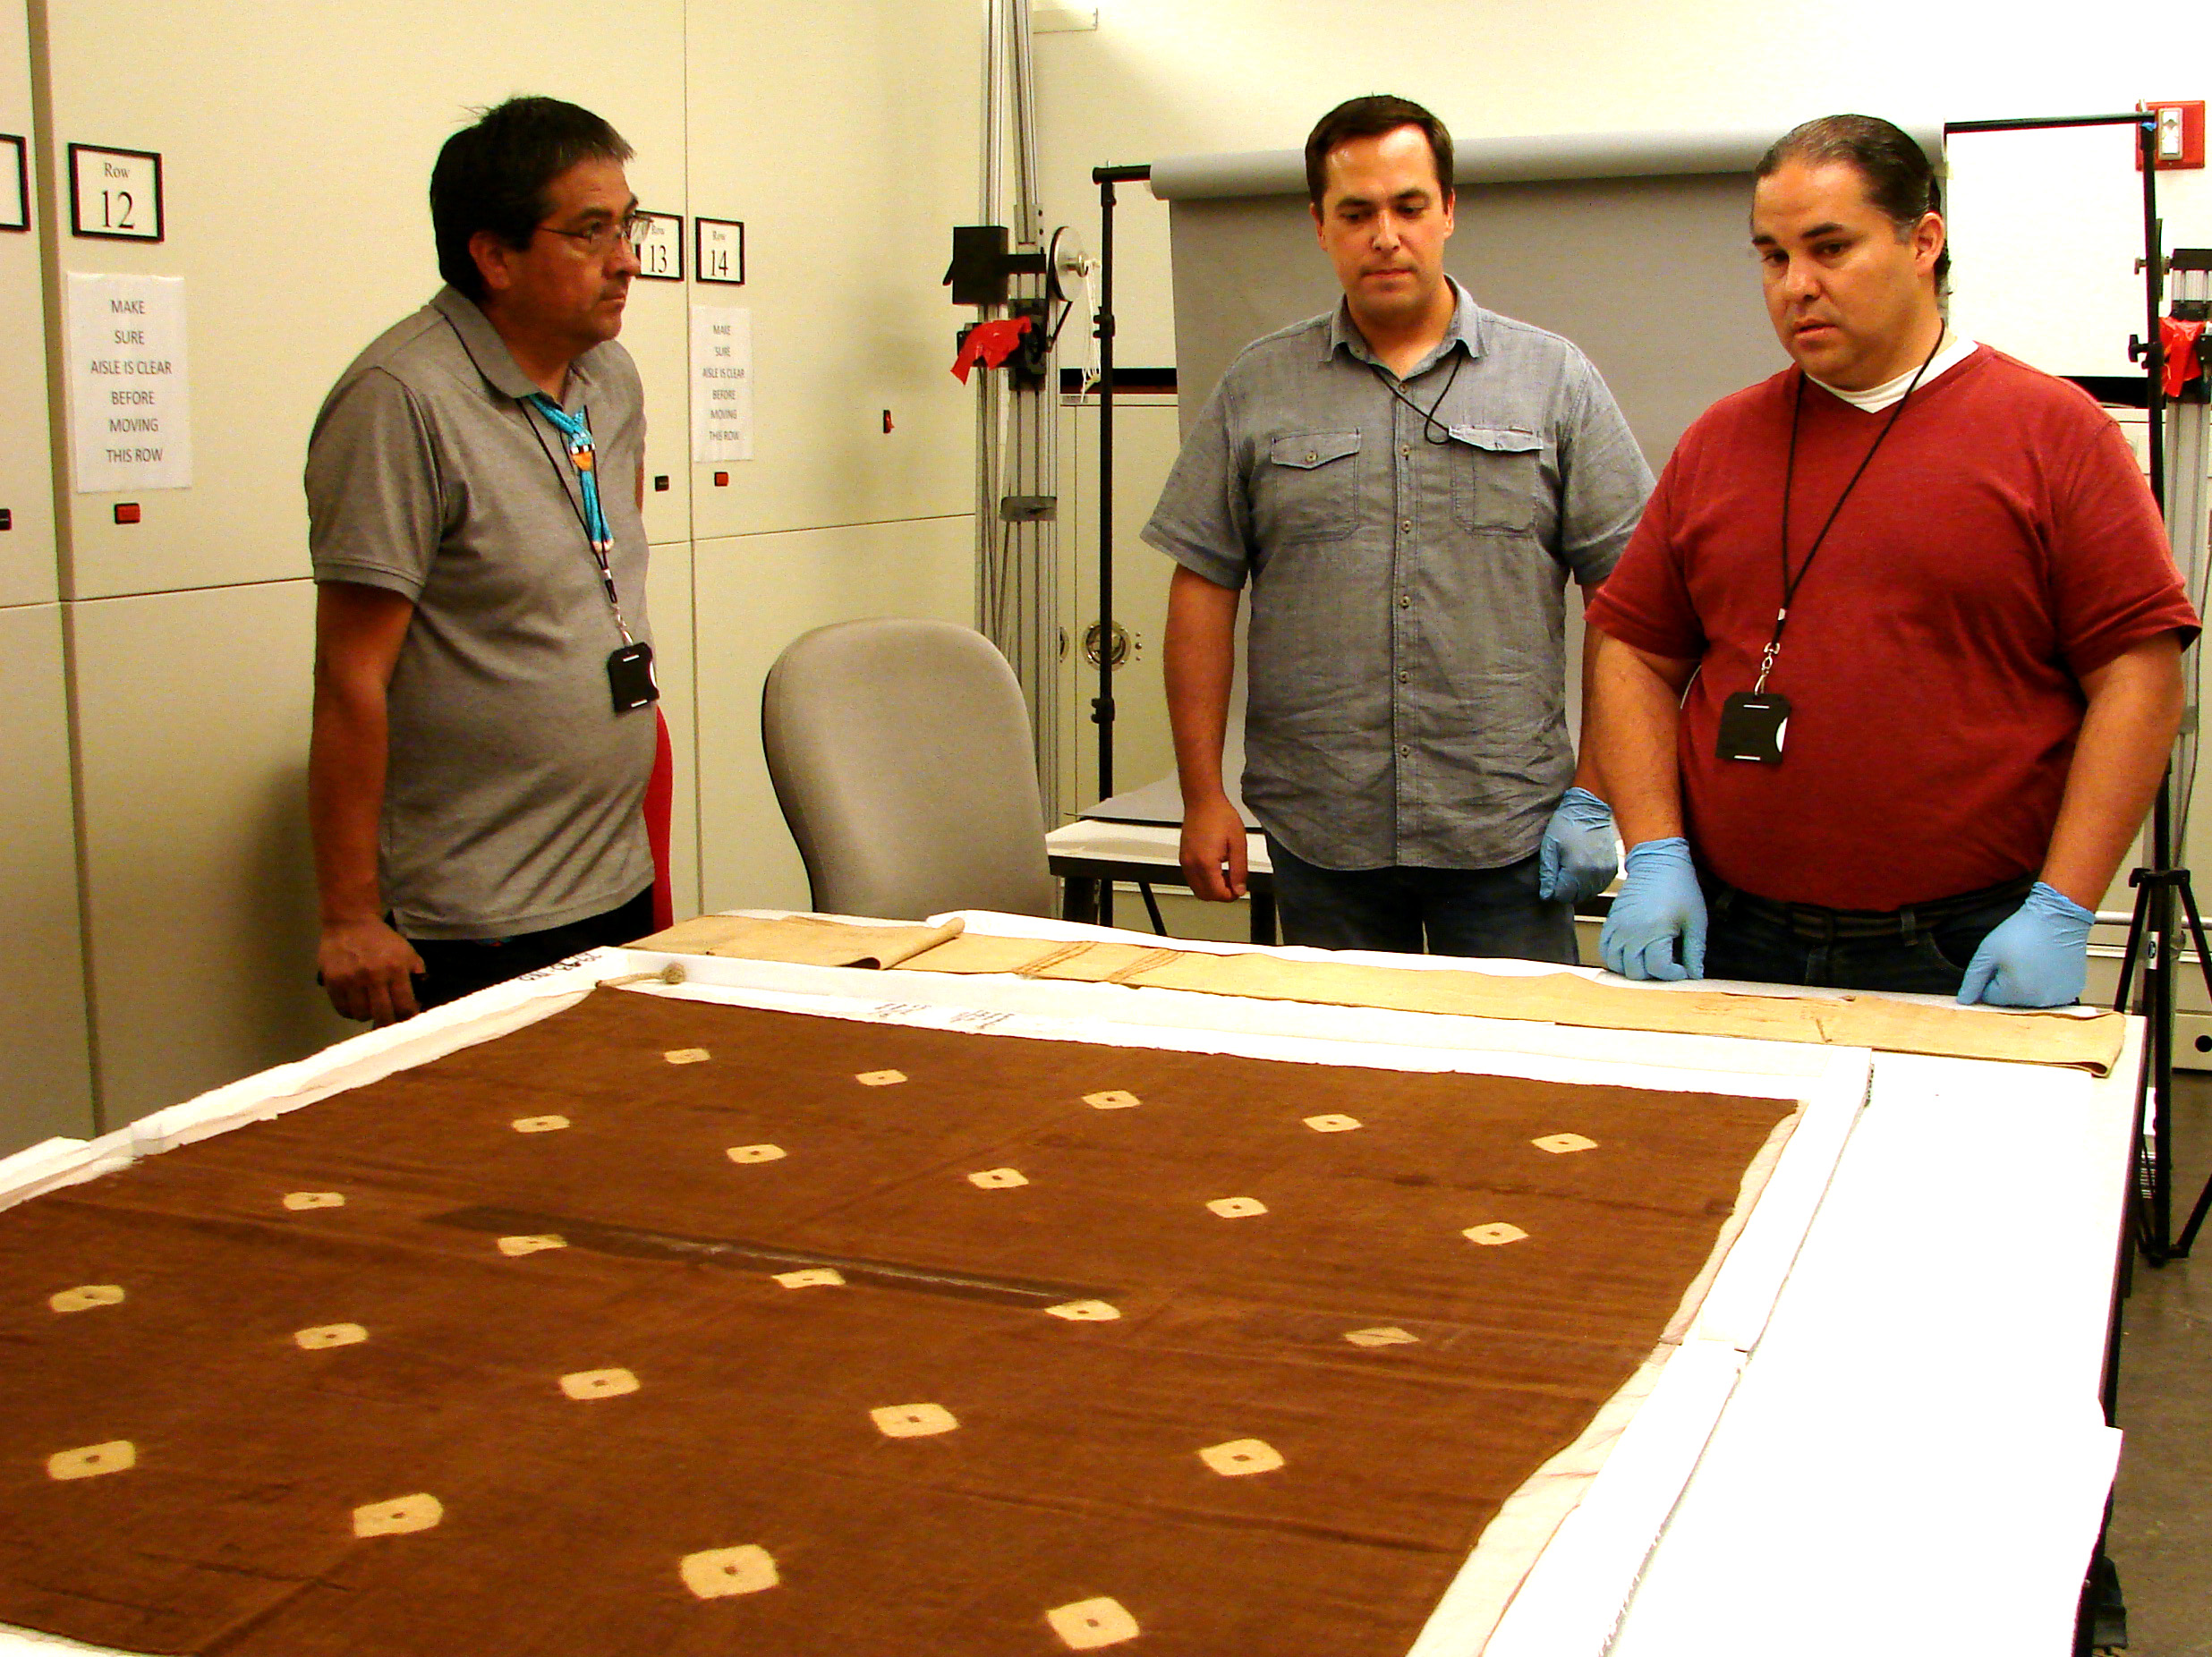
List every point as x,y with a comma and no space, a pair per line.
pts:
1428,416
1789,582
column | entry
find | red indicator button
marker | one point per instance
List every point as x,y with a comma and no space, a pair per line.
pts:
721,479
126,511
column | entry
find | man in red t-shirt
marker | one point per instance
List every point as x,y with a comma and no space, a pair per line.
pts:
1888,675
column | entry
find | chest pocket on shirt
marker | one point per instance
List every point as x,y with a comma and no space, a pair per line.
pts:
1496,473
1312,487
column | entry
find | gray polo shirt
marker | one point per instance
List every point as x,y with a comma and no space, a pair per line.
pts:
1405,697
515,792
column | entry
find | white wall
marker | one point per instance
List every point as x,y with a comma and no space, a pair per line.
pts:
1167,77
845,137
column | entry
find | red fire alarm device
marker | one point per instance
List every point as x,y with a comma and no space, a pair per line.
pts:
2179,140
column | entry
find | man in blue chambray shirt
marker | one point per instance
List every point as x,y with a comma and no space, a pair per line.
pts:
1405,483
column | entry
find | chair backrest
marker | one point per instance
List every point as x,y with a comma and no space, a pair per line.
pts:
901,756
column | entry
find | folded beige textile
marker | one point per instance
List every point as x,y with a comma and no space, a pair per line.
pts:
2056,1037
801,941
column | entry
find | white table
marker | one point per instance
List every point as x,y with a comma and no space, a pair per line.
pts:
1909,1453
1135,837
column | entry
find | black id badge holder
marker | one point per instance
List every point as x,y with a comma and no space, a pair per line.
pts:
1752,726
630,677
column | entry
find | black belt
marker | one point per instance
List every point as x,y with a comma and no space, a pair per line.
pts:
1814,922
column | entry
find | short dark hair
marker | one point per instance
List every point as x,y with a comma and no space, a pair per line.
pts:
1371,118
493,177
1901,180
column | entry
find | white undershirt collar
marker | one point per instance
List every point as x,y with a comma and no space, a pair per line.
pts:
1875,398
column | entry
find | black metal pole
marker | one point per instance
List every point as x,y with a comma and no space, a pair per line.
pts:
1102,704
1103,709
2022,124
2154,297
2160,981
2187,1240
2156,900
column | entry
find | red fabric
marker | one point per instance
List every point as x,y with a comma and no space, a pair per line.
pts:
2179,343
2002,544
660,798
991,342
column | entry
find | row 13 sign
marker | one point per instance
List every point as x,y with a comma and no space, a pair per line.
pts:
720,255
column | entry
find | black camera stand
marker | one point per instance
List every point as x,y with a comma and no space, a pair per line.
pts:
2151,942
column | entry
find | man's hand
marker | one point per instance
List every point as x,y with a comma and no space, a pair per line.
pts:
368,969
1214,850
2038,956
1577,859
1659,903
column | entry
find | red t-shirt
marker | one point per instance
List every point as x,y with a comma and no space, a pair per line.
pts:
2002,544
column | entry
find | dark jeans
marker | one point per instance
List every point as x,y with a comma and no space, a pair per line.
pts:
459,967
1470,912
1925,948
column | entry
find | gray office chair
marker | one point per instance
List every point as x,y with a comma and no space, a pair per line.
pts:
901,757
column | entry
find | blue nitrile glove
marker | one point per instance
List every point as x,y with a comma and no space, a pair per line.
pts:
1658,903
1577,859
2038,957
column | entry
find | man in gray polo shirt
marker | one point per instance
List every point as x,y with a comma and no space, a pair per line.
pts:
1406,483
483,732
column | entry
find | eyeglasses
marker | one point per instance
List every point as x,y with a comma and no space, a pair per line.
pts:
600,239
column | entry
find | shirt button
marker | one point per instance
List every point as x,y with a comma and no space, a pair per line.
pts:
1405,600
1311,457
1405,526
1403,675
1405,448
1404,751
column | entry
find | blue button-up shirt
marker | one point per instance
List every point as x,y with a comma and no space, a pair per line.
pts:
1406,676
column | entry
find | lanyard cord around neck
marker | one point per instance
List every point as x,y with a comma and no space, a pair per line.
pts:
1789,582
1428,415
582,453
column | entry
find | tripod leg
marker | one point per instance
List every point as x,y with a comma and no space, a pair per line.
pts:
2133,954
2143,1183
2147,1173
2196,931
2187,1238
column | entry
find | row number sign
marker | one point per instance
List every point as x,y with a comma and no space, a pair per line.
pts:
114,193
721,250
660,247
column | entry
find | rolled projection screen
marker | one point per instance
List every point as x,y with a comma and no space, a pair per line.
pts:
1633,245
1489,161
